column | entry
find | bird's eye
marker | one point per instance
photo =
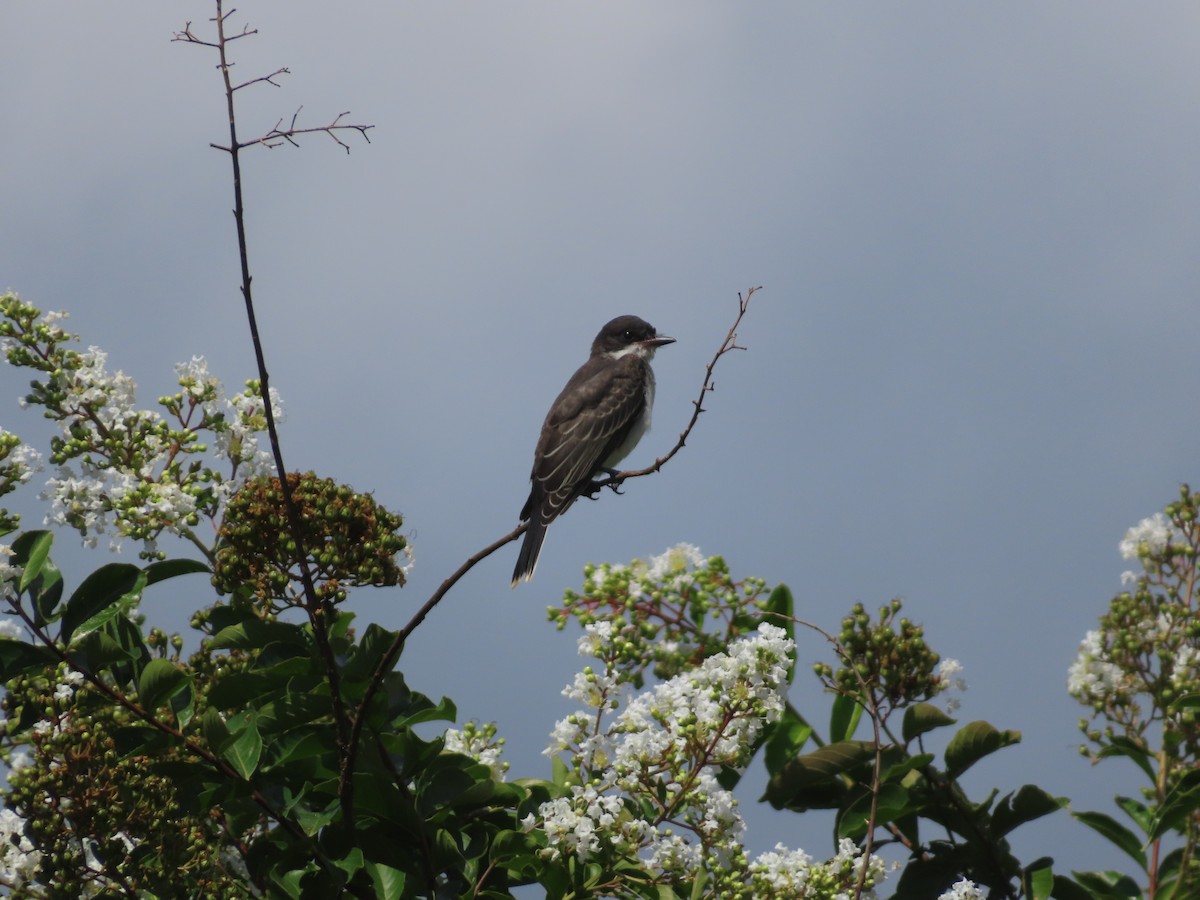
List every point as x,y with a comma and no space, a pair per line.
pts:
627,334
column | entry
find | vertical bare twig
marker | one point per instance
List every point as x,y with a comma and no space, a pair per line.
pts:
318,612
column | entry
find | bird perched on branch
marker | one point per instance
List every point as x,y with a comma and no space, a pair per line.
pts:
596,421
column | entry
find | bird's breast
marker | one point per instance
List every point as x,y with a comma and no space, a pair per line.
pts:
639,426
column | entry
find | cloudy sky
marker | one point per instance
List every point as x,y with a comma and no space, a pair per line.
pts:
971,369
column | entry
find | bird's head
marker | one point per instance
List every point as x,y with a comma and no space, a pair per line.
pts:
629,334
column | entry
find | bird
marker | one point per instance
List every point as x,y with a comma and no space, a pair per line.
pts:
595,422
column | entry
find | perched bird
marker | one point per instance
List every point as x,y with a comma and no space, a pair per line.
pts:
596,421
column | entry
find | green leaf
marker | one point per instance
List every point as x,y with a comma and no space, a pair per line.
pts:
351,862
30,551
214,729
1066,889
173,568
107,585
897,770
822,766
1028,803
923,717
780,611
17,657
245,750
1185,702
1138,811
46,593
843,718
1115,833
785,738
160,681
39,577
388,882
974,741
102,650
892,804
1038,879
254,634
369,652
93,623
1119,745
1109,885
1181,802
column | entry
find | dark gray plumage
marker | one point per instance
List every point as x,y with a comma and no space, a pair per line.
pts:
596,421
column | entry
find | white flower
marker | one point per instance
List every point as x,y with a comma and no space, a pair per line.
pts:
10,577
675,562
478,744
1149,536
963,890
1092,676
19,860
948,673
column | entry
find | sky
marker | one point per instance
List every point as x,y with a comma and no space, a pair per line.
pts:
971,367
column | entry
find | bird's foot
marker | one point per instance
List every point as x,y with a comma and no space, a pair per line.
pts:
595,487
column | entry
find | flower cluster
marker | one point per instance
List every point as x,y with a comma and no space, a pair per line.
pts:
963,889
480,743
665,609
646,770
17,465
19,860
785,873
124,471
10,575
1144,657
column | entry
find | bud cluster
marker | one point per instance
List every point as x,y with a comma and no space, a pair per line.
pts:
348,540
885,663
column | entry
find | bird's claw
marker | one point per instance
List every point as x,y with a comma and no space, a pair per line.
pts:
595,487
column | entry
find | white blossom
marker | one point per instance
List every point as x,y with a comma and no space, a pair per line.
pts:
963,890
10,578
1149,536
478,745
673,564
1093,676
948,674
19,860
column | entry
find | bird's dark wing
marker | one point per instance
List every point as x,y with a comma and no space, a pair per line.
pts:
587,422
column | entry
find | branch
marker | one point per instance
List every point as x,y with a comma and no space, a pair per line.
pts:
729,344
312,605
276,136
388,661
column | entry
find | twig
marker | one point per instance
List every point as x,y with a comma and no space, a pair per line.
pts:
313,606
730,343
874,713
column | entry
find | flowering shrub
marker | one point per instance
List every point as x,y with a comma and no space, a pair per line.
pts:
282,757
1139,676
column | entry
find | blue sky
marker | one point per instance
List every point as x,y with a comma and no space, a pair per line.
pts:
971,368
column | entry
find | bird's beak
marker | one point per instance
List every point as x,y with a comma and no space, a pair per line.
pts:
656,342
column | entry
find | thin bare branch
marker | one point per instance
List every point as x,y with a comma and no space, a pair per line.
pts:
729,344
269,79
317,612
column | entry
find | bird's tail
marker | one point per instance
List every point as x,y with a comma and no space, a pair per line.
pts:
530,548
